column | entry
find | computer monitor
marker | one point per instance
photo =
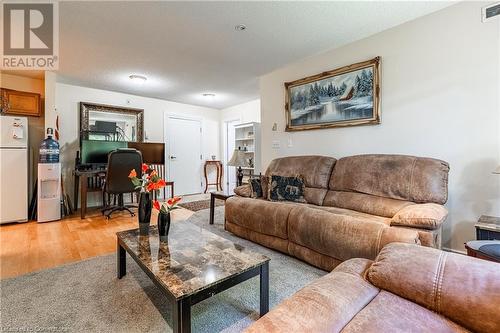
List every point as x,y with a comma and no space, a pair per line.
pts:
152,153
96,151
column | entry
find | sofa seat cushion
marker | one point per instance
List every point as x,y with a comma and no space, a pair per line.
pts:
343,235
390,313
355,214
262,216
325,305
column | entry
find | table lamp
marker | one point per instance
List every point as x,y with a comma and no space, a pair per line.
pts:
237,160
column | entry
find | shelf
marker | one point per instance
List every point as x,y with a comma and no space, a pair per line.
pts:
248,151
244,139
246,168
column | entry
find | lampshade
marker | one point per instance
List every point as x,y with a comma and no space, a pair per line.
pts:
238,158
497,170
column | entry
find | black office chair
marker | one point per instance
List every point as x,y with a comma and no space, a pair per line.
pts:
120,162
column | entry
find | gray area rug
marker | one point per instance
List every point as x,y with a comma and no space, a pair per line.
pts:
87,297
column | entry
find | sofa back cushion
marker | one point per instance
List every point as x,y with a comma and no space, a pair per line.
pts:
314,170
366,203
400,177
464,289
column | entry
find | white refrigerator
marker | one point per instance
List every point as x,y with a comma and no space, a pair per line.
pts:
13,169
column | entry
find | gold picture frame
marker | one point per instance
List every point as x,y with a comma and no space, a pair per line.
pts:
346,96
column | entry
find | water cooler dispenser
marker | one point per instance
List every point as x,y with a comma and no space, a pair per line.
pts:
49,180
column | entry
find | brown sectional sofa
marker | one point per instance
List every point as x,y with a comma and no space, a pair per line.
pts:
355,206
433,291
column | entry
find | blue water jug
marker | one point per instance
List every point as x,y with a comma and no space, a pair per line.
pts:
49,149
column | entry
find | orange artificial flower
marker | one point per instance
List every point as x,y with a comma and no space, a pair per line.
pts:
177,199
170,202
161,183
150,187
132,174
153,173
144,167
156,205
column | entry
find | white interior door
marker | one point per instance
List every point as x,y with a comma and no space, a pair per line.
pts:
185,156
229,149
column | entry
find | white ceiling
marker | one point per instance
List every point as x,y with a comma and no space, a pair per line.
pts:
189,48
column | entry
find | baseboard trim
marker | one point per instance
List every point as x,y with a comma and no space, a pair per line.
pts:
454,251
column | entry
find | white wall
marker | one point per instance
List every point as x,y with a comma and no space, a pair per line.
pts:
245,112
68,97
440,85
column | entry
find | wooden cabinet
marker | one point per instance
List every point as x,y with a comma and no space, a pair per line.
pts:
20,103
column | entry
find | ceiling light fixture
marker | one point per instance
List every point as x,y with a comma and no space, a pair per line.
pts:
209,95
240,27
138,78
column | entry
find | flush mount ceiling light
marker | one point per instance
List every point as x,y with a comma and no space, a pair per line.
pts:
138,78
240,27
208,95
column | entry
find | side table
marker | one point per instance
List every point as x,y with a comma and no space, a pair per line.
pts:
217,195
218,180
488,228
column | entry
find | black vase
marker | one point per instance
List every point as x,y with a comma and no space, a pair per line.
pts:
144,212
163,226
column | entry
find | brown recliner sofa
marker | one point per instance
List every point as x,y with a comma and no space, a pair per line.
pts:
355,206
408,288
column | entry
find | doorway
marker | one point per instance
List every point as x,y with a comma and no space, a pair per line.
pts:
229,146
184,154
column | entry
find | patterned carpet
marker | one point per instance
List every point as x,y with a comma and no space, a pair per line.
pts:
195,206
87,297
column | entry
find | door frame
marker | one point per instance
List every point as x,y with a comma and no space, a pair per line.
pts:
167,116
224,147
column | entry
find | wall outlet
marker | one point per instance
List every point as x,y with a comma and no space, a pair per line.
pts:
276,144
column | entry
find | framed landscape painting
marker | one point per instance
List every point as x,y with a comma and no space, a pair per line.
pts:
346,96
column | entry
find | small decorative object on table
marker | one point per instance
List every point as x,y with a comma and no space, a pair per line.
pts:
164,216
238,160
147,183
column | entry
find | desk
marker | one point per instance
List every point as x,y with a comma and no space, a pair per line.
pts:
82,185
82,182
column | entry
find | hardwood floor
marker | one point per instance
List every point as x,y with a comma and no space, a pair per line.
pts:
32,246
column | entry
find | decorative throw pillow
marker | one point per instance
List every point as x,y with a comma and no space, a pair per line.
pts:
286,188
256,186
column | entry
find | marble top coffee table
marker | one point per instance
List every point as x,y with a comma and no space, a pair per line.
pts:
193,265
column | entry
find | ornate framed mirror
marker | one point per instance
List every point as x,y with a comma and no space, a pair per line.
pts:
111,123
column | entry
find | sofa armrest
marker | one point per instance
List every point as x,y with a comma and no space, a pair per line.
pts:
464,289
243,191
424,216
325,305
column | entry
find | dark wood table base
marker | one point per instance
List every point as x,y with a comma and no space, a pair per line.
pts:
182,307
213,196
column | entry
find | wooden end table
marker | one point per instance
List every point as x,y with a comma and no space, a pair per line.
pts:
218,177
221,195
